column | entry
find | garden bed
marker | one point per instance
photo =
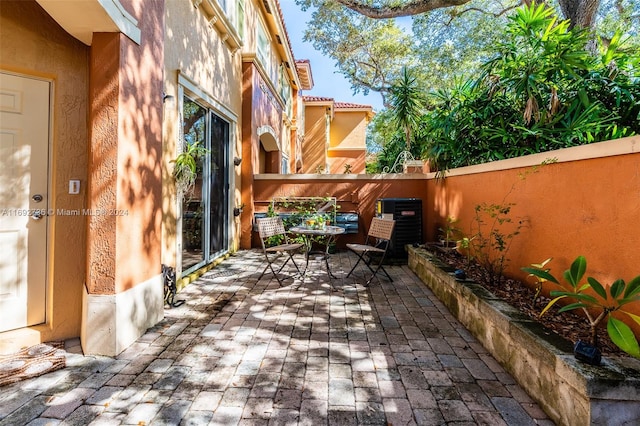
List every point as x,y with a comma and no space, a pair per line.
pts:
540,360
569,325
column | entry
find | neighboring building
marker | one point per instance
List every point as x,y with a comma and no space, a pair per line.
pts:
239,74
98,98
335,136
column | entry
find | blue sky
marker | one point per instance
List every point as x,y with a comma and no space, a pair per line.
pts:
327,82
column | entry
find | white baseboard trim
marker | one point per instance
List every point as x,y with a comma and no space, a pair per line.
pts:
110,323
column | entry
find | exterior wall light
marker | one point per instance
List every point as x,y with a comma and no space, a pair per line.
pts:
166,98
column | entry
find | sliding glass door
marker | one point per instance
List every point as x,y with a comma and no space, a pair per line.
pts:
218,187
205,206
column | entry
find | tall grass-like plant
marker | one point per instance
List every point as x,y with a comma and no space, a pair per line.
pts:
407,101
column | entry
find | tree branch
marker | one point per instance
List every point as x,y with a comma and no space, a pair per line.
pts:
475,9
409,8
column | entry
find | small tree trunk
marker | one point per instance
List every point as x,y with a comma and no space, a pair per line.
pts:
580,12
594,326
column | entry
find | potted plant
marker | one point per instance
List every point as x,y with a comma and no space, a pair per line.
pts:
185,169
592,297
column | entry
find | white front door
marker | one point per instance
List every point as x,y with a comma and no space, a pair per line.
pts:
24,183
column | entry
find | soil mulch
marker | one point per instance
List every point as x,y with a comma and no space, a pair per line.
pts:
569,325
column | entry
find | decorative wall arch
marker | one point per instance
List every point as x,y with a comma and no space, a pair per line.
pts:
268,138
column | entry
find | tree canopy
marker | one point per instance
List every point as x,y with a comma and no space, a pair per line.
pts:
446,43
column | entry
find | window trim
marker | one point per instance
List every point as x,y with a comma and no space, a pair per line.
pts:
217,18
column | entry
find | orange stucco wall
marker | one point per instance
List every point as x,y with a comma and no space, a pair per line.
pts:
125,151
584,201
33,44
339,159
347,141
259,110
315,138
348,129
576,206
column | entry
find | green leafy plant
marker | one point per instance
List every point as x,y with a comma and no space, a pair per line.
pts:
591,296
495,230
463,245
449,231
541,91
407,101
307,211
539,280
186,166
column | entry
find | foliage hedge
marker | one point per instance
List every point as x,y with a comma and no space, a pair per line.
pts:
544,89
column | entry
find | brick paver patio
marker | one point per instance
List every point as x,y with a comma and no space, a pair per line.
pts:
248,352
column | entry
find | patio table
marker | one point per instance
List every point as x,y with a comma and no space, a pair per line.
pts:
329,232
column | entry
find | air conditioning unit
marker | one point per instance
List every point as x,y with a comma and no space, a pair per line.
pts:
407,212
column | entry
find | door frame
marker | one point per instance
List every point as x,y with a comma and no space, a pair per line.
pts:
187,87
50,217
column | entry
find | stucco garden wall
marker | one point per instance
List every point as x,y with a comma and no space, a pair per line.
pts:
584,201
570,392
577,201
354,193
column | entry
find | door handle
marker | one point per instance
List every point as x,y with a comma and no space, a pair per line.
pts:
37,215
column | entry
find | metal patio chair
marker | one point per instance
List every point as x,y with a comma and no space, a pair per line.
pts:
269,227
374,249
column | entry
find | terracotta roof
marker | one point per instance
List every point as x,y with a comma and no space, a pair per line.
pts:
349,105
284,26
337,105
316,99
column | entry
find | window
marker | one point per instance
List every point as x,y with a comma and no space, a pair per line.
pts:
234,9
285,89
264,53
239,22
263,50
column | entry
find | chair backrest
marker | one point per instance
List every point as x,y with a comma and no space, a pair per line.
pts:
381,229
270,226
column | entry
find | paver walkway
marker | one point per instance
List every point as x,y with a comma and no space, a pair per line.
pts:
248,352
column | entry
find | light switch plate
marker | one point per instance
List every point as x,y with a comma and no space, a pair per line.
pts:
74,186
